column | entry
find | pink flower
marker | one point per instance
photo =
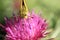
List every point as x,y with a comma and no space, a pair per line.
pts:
31,28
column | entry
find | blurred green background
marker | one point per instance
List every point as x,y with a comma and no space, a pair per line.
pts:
49,9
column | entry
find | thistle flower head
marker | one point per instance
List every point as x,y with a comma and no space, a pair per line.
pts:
30,28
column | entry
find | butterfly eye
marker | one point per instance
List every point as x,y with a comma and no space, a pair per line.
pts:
23,3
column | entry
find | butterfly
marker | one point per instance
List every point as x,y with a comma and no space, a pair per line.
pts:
21,6
23,9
